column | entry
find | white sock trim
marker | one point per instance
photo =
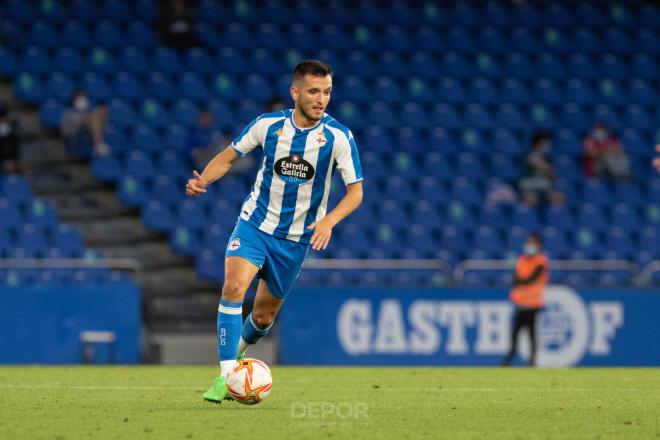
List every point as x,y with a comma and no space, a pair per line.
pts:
256,327
226,367
230,310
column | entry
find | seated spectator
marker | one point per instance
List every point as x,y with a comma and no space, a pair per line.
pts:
604,155
83,125
537,182
656,161
9,143
176,23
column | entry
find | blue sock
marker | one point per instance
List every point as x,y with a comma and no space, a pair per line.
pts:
251,333
230,315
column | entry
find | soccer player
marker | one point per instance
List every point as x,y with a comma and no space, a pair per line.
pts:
286,211
532,274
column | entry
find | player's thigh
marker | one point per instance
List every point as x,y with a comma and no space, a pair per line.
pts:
266,305
239,273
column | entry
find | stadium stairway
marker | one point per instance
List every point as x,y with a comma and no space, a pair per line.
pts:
174,299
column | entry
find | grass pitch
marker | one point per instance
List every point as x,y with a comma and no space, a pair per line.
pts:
355,403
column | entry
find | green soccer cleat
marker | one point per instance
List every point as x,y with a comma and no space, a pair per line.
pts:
240,357
218,392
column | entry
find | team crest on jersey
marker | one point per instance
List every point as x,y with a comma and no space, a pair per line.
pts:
320,138
235,244
279,132
294,169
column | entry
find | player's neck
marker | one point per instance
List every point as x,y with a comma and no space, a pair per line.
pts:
301,121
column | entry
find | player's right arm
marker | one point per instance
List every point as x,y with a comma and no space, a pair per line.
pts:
251,137
216,168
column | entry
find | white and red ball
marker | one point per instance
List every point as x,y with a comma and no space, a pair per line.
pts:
250,381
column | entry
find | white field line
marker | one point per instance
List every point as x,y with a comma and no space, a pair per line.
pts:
444,389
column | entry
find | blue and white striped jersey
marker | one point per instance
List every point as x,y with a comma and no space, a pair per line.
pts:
292,186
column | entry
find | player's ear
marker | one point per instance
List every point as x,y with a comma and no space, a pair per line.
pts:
294,92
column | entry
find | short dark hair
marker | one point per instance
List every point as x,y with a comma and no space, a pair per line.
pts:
540,136
536,237
311,67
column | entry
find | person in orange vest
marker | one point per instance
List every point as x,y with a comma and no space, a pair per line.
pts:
532,273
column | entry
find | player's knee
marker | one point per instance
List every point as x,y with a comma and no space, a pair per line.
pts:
262,318
232,290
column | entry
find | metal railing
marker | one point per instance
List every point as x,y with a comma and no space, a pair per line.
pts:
457,275
123,264
561,265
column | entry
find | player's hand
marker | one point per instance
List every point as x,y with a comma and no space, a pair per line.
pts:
656,161
197,185
322,232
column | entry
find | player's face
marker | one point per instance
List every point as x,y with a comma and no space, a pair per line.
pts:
312,95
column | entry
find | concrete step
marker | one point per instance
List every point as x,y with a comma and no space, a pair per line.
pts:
121,230
152,255
201,348
175,282
89,205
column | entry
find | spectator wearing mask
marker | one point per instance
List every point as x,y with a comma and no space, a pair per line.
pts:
9,143
176,24
604,155
537,182
527,294
83,125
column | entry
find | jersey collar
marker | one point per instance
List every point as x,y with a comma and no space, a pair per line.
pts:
302,130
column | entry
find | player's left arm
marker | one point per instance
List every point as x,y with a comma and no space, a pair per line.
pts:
323,228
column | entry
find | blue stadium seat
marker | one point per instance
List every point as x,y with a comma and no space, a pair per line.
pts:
84,10
68,241
465,190
445,116
454,64
120,113
596,191
414,115
102,60
460,40
644,66
546,91
115,10
166,190
614,67
427,39
35,60
139,165
193,86
647,40
108,34
641,92
96,87
41,215
483,90
60,86
391,64
506,142
140,34
50,113
526,217
16,189
33,240
522,41
620,240
610,91
10,217
479,117
382,114
68,60
199,61
154,113
146,138
75,34
396,38
574,117
502,167
43,34
184,240
567,142
127,87
159,86
607,114
132,60
635,116
106,168
8,62
386,90
518,66
451,91
158,216
550,66
616,40
185,112
578,91
131,191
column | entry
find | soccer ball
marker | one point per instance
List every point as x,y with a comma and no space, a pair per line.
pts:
250,381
